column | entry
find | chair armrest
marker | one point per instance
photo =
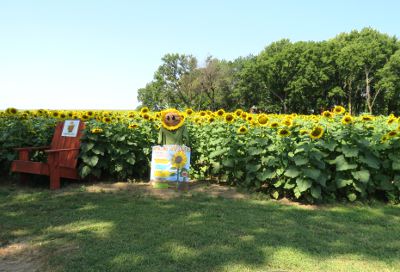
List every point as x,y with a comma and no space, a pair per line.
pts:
61,150
31,148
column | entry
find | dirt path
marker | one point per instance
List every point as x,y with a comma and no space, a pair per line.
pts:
20,256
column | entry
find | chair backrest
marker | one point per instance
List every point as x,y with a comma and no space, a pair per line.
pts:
67,159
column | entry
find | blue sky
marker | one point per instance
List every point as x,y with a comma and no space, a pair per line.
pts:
81,54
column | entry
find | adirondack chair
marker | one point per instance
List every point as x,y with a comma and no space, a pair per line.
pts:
62,156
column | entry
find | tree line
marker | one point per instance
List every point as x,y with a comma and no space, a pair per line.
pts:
359,70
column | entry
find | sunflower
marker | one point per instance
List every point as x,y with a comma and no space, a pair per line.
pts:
347,119
203,113
384,138
262,119
229,118
55,114
242,130
249,118
144,110
211,119
238,112
179,159
133,126
370,127
243,115
220,112
167,126
339,110
304,132
89,113
189,111
391,134
391,120
146,116
317,132
96,130
367,118
12,111
327,114
284,132
106,119
63,115
274,125
84,116
287,122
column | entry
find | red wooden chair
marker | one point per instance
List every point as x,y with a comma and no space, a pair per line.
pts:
62,157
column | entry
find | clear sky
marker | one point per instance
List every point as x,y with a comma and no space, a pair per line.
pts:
95,54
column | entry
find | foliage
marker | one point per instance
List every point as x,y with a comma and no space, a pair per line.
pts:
358,70
305,157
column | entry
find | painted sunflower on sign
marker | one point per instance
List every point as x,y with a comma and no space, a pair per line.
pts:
172,119
179,160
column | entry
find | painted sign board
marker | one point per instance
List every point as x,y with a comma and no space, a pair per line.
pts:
170,163
70,128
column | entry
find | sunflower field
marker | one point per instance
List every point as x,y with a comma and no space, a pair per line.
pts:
311,158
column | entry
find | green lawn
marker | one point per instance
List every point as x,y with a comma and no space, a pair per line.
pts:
126,231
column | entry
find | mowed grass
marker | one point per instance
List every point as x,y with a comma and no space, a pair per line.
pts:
126,231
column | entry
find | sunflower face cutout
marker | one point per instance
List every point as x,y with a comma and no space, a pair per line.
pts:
173,131
172,119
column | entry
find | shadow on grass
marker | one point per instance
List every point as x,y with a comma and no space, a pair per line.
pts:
130,232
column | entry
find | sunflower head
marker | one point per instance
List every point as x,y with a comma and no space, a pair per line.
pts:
179,159
189,111
229,118
11,111
242,130
339,110
238,112
284,132
202,113
96,130
317,132
274,125
106,119
367,118
144,110
262,119
220,113
287,122
55,114
327,114
347,119
392,133
304,132
211,119
172,119
391,120
146,116
133,126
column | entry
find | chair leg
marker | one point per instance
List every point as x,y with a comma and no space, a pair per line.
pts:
55,179
23,179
